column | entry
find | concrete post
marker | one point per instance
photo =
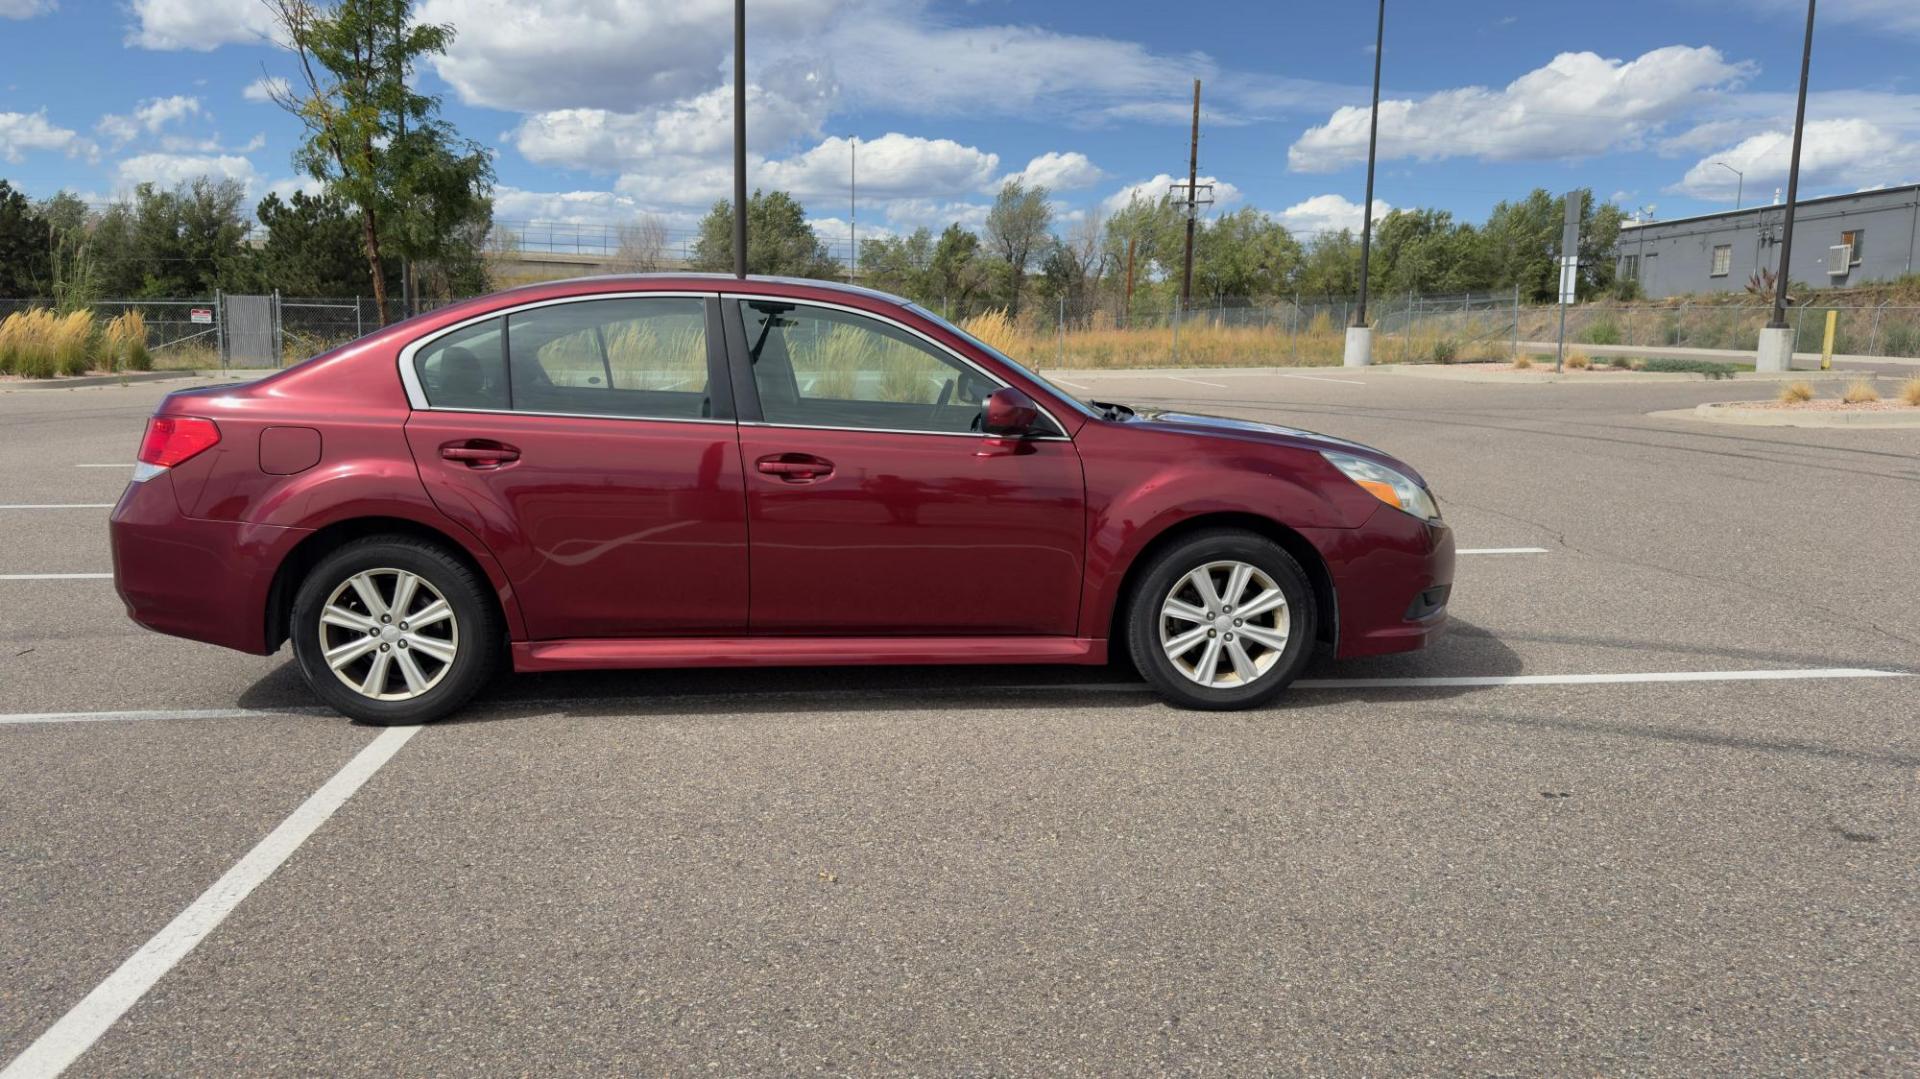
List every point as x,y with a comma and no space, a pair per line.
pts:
1359,351
1776,349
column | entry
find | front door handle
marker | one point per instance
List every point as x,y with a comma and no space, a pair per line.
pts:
480,453
795,467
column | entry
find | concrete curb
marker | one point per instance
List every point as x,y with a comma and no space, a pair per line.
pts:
1726,355
1610,378
130,378
1741,412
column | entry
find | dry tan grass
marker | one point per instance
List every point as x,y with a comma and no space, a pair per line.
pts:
124,343
1794,393
1578,360
1860,392
1910,392
1523,362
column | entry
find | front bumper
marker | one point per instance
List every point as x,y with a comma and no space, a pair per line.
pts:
1393,577
188,577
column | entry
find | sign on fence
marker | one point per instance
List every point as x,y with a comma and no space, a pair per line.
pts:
201,315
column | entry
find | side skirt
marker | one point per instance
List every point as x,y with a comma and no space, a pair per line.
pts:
624,653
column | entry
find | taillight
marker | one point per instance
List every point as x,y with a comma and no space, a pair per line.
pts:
172,440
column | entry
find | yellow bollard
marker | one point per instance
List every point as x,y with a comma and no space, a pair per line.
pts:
1826,346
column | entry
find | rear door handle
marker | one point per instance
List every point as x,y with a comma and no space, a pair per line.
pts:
480,454
795,467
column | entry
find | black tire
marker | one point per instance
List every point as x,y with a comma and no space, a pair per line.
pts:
476,656
1168,568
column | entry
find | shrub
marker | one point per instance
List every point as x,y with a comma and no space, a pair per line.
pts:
1578,360
1523,362
72,342
1860,392
1794,393
1910,393
124,344
1601,331
1901,339
26,344
1676,365
1446,350
995,329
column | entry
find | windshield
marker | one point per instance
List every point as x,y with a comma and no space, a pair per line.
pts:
1002,357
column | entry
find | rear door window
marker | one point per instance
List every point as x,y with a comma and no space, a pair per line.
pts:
464,369
638,357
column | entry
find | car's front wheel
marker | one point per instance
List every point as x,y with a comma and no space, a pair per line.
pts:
392,630
1221,619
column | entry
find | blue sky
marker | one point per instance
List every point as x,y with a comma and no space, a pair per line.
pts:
602,110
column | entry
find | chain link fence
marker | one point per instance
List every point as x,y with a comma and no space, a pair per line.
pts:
200,332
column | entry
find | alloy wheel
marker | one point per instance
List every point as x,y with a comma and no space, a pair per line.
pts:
389,634
1224,625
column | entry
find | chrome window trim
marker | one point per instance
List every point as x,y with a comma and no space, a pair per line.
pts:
581,415
417,394
1057,434
896,431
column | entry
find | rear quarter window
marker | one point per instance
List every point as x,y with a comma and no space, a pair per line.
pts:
464,369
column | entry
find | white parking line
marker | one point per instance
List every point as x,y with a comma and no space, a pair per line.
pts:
1196,382
1319,378
1503,550
1596,679
1064,382
65,1040
128,467
56,505
56,576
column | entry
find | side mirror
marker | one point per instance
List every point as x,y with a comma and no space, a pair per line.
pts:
1009,413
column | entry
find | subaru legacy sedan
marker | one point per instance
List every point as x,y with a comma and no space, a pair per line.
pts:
697,471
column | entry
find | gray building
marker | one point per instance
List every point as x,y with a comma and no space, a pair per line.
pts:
1839,241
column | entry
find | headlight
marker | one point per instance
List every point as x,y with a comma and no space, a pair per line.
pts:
1386,485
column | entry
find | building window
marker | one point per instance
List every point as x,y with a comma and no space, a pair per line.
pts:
1853,238
1630,268
1722,260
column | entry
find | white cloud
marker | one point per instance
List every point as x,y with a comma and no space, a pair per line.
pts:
167,170
266,88
607,141
608,54
936,214
1579,105
1852,153
1060,172
1327,213
198,25
24,131
150,116
1159,187
25,9
891,165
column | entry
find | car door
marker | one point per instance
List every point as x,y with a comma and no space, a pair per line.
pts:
587,443
874,503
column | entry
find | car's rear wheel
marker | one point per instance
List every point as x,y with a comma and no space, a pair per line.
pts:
1221,619
392,630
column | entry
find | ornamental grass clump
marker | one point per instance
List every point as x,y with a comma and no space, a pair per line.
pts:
1796,393
1860,392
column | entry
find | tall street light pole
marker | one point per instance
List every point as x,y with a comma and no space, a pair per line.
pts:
1776,340
1359,350
739,138
1739,182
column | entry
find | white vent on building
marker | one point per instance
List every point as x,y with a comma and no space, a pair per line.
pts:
1839,259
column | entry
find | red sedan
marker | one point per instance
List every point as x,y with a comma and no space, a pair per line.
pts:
687,470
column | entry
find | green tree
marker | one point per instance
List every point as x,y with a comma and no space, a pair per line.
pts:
380,147
1331,270
898,264
1017,228
1244,255
158,243
957,277
779,240
1523,240
311,247
26,246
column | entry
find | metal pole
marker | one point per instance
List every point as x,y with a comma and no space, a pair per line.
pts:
1779,319
220,326
1063,330
1193,178
279,333
853,208
1516,321
1293,328
1406,345
1373,142
358,329
1176,333
739,138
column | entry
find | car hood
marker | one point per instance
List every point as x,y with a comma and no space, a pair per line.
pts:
1267,433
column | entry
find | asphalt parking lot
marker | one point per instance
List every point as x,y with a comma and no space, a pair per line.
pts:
1651,807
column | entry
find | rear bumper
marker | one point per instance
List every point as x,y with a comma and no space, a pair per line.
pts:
1392,576
187,577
